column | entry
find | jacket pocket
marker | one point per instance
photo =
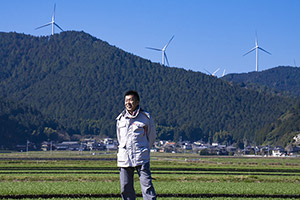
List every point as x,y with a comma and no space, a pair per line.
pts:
140,129
121,125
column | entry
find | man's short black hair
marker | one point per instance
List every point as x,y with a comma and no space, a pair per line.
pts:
134,93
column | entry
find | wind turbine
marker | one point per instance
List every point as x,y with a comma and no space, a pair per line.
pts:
256,48
163,51
52,22
214,73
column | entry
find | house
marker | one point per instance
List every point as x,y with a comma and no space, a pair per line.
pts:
297,138
278,151
69,145
110,144
266,150
231,149
168,147
199,146
293,149
48,146
186,146
215,144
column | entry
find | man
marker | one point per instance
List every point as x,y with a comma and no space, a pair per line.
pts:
136,135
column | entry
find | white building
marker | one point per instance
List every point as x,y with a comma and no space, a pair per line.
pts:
297,138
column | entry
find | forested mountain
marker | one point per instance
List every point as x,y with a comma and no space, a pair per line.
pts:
19,123
281,131
80,81
280,79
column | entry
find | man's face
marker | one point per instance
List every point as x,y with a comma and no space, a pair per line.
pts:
131,103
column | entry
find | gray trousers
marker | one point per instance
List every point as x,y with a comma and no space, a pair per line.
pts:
126,180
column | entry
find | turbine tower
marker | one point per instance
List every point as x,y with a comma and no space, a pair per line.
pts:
163,52
256,48
52,22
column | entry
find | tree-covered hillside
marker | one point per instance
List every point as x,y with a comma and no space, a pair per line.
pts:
280,79
80,81
281,131
19,123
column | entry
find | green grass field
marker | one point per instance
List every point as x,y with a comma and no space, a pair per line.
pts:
71,173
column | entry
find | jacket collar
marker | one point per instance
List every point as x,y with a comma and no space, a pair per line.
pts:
134,115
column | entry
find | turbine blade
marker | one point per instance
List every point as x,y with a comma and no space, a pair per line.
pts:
216,71
264,50
223,73
58,26
256,40
208,72
153,48
250,51
168,42
166,58
54,11
43,25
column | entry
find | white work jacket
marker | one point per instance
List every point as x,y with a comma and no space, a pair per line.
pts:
136,135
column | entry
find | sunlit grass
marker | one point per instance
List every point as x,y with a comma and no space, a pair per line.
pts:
180,186
182,173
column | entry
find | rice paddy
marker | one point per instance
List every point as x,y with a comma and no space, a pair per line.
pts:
70,175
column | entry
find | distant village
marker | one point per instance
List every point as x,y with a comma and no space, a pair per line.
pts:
199,147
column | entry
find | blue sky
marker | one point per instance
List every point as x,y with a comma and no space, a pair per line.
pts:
209,34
